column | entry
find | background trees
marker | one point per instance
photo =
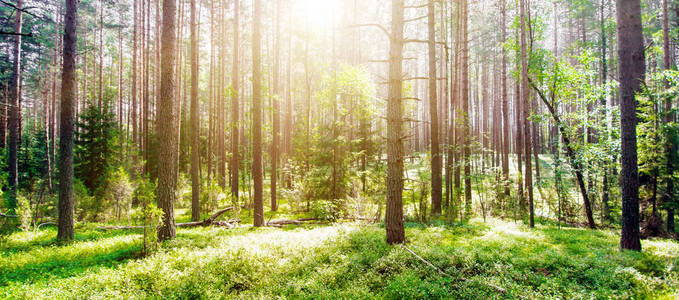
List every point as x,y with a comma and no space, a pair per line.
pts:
352,130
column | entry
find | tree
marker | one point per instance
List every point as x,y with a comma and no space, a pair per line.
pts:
436,197
235,153
671,147
525,96
394,213
14,111
166,134
505,106
257,115
65,222
275,143
466,127
631,68
195,118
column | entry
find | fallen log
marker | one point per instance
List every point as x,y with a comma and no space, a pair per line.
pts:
7,216
281,222
209,221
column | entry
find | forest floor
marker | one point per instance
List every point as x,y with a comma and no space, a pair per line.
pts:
475,260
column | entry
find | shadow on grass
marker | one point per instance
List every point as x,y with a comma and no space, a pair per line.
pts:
46,237
90,252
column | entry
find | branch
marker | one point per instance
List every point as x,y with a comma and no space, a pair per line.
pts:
30,34
423,42
414,19
7,216
279,223
15,7
373,25
442,273
206,222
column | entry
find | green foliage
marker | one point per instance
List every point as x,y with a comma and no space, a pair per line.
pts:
84,203
342,262
24,213
657,139
96,146
119,190
32,160
148,214
212,196
331,159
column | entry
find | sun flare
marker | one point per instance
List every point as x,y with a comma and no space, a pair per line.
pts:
319,13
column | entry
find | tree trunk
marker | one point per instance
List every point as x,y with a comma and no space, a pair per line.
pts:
133,117
166,133
505,105
257,115
101,55
394,213
631,69
525,96
15,109
3,116
433,113
66,202
464,60
671,147
235,154
195,118
275,143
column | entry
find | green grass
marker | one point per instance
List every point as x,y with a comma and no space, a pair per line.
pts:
340,261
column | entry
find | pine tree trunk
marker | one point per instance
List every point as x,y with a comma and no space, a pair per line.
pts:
195,118
235,153
257,115
466,126
166,132
631,69
133,117
66,202
275,110
525,96
394,213
14,121
505,102
433,113
671,147
3,116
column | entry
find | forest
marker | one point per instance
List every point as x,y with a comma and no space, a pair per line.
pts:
339,149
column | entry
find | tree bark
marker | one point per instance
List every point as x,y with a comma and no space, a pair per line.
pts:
195,118
464,60
275,110
671,147
14,121
257,115
631,69
394,213
166,133
3,116
133,117
505,102
525,97
235,153
65,222
436,197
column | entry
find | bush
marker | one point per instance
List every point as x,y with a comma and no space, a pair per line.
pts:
82,198
119,189
149,215
24,213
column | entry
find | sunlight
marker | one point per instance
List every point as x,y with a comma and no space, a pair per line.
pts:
319,13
